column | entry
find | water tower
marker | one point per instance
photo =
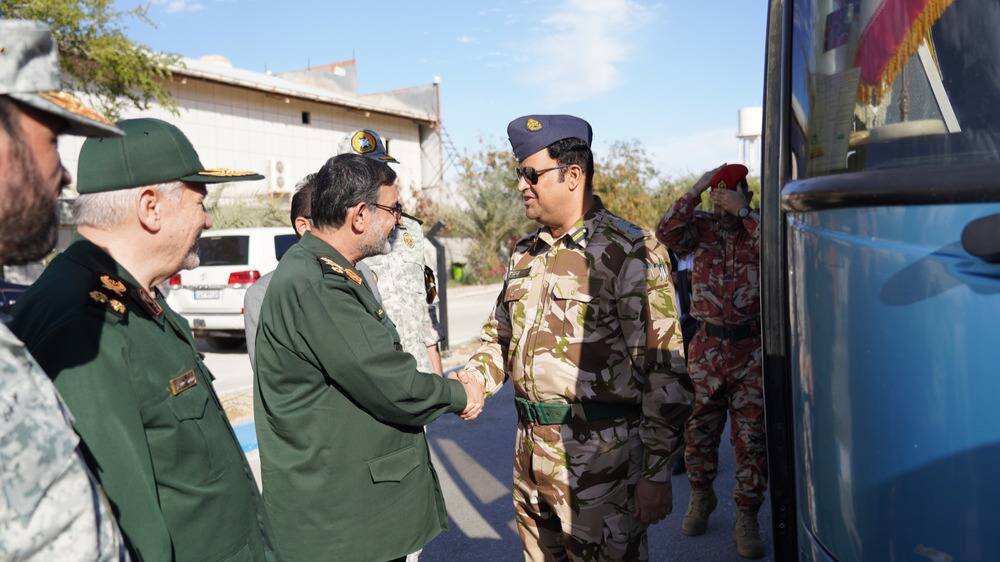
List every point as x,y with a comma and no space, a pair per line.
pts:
751,122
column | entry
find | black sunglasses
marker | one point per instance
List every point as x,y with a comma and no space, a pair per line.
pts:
530,174
396,210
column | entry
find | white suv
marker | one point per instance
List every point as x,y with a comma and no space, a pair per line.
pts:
210,296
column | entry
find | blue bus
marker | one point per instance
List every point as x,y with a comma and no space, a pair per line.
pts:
881,278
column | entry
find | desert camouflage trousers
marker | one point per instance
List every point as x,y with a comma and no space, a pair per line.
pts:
727,377
574,491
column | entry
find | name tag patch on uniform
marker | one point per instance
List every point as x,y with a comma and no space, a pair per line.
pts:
182,382
518,273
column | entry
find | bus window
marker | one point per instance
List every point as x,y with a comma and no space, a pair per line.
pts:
891,83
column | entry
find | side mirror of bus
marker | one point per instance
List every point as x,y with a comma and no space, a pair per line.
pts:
981,238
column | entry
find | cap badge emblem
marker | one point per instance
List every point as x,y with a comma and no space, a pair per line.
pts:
722,184
533,125
363,142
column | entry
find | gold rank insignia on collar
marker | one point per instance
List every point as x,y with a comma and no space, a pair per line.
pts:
112,304
332,265
183,382
409,240
335,267
117,306
116,286
353,276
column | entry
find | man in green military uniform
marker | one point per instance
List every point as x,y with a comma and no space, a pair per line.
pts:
585,326
339,406
141,398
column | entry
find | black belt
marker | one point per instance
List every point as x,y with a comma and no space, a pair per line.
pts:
733,332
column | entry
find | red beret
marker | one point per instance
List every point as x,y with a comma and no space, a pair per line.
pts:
728,177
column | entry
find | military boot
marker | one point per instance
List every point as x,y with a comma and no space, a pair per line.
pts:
747,535
700,506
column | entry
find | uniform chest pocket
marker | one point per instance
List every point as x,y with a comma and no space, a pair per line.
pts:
516,290
575,307
192,443
189,404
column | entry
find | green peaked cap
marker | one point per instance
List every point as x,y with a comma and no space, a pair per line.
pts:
152,151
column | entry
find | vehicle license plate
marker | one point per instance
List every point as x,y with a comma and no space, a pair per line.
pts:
206,294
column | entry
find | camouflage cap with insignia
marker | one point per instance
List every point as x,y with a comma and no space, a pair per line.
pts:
29,74
531,133
152,152
367,142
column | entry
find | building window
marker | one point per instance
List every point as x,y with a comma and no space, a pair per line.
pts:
306,118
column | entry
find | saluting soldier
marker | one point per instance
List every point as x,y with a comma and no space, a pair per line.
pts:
340,408
585,327
127,366
725,352
51,507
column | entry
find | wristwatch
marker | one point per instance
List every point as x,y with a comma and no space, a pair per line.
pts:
744,212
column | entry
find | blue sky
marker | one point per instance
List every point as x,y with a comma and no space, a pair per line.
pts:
671,74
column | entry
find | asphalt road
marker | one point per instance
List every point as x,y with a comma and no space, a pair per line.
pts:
474,463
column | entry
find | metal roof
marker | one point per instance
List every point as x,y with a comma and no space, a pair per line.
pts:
283,87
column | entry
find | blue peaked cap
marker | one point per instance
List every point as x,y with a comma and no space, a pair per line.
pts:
531,133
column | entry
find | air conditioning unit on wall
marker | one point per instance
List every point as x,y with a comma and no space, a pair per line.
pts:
278,176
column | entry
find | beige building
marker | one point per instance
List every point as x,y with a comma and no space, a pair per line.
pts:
287,125
284,126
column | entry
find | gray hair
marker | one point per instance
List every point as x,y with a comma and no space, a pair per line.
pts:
110,208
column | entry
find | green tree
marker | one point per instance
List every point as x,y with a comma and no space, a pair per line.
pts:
626,181
96,56
494,219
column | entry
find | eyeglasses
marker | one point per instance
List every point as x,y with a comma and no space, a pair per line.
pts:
530,174
396,210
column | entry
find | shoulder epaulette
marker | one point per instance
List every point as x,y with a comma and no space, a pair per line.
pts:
331,266
631,232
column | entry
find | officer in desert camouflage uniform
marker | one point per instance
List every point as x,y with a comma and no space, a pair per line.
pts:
51,507
725,354
585,327
400,273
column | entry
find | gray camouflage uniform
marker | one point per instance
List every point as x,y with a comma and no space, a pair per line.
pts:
51,508
400,275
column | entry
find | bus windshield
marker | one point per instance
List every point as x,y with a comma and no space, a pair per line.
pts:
893,83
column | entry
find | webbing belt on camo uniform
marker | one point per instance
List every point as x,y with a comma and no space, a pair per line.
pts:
559,413
733,332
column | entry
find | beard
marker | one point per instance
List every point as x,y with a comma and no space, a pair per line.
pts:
375,244
29,214
192,259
